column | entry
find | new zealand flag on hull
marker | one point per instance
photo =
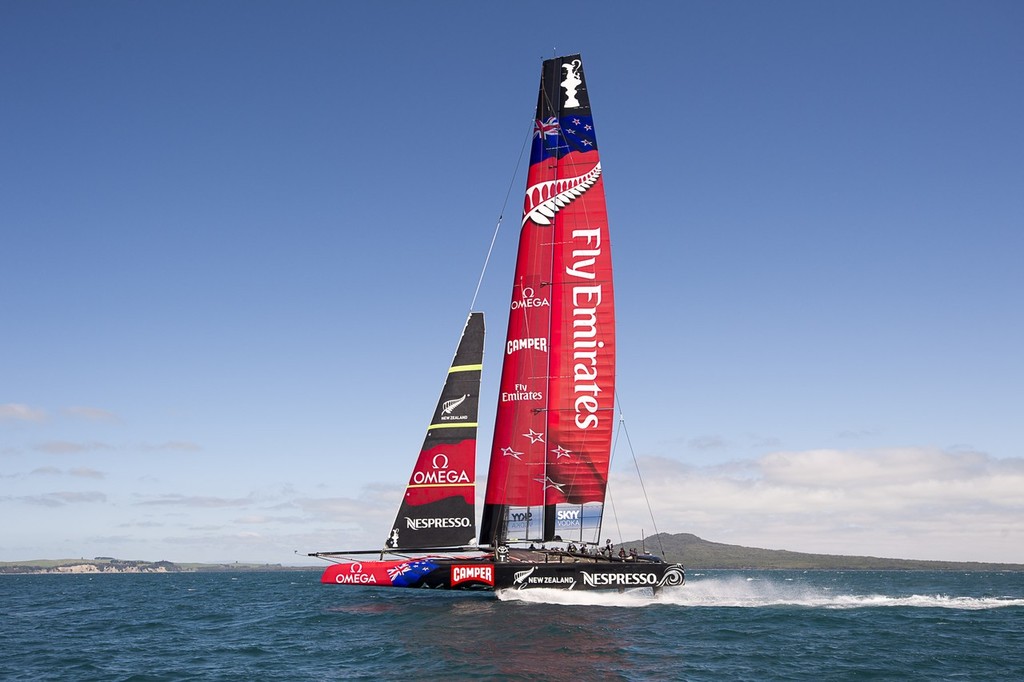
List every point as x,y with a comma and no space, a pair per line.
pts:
406,574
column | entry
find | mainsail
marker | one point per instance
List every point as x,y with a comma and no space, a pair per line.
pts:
552,435
439,507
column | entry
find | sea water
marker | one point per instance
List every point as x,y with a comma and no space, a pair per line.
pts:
722,625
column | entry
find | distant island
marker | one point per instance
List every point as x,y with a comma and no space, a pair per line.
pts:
695,552
103,564
685,548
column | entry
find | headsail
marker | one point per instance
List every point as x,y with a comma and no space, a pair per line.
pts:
439,507
552,436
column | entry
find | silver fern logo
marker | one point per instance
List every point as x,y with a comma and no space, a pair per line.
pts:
547,198
448,406
519,577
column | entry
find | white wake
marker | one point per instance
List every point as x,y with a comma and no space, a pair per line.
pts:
752,593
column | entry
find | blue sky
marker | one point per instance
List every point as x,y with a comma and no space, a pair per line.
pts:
239,240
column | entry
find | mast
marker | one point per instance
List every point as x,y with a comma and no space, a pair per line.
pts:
439,507
552,436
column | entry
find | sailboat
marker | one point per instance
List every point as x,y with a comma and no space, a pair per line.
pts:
551,449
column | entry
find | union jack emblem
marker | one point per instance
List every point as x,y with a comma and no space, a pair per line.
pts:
548,127
396,571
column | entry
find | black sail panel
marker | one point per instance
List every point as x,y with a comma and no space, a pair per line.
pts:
439,507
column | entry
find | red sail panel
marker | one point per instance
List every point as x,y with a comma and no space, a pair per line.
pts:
439,508
581,397
553,428
518,457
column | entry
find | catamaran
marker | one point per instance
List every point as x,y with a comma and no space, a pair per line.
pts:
551,451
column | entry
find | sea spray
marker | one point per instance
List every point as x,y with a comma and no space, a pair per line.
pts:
755,592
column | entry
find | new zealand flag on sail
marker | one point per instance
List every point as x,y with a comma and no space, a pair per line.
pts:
557,137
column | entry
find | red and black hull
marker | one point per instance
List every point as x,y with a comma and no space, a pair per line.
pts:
534,570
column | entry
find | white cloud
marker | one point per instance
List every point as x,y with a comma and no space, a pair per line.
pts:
63,447
197,501
359,522
81,472
91,413
900,502
905,503
19,412
255,519
59,499
86,472
173,445
265,520
707,443
851,468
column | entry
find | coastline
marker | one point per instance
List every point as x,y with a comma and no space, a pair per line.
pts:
106,565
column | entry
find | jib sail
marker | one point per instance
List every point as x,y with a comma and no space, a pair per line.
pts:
439,508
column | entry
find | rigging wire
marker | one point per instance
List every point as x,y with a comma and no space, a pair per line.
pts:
608,485
636,465
650,511
501,216
483,271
